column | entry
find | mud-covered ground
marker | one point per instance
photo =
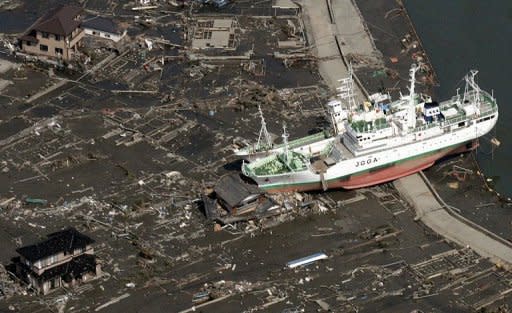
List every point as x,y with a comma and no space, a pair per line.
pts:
124,153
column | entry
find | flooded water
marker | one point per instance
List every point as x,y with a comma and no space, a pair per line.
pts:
460,35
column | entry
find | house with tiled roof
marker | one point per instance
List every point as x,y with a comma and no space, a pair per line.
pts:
56,34
65,258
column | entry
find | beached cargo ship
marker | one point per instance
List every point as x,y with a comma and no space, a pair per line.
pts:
383,141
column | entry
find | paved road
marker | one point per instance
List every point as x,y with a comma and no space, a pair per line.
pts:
450,225
321,35
349,29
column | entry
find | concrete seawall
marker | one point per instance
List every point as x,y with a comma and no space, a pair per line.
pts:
438,216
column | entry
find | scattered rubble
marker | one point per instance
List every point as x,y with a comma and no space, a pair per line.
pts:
133,145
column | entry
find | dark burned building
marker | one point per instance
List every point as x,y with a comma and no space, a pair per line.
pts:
64,259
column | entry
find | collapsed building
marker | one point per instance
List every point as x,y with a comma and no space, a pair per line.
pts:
233,200
215,33
235,196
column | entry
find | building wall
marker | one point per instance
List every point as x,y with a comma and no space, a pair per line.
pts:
57,259
44,287
51,47
75,37
100,34
43,264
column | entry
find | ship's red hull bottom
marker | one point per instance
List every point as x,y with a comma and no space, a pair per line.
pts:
379,176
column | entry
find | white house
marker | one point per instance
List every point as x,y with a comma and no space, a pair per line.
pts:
103,27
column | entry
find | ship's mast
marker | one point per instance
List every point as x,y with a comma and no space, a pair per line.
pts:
263,131
346,90
411,107
412,80
470,82
334,123
285,143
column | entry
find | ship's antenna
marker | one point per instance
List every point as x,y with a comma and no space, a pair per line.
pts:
351,100
334,123
285,143
263,131
412,73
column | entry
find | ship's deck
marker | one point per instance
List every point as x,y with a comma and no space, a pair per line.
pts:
337,153
292,144
277,165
